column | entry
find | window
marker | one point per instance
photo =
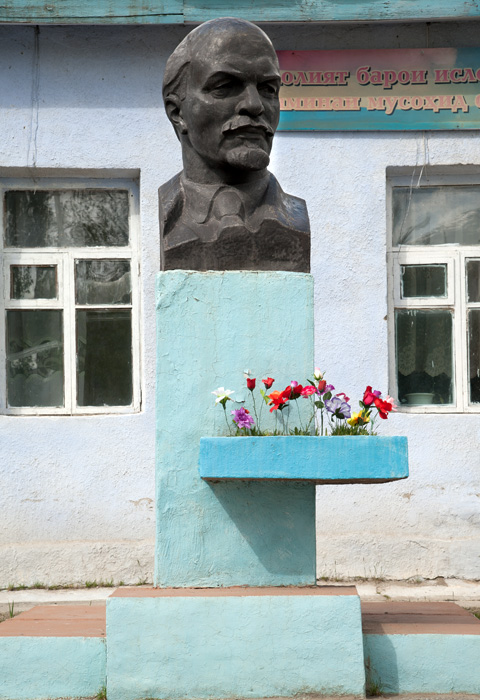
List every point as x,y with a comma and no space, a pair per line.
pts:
70,293
434,261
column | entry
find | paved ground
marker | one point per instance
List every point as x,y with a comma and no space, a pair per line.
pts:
464,593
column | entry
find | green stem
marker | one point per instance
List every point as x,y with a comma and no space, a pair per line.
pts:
226,419
255,410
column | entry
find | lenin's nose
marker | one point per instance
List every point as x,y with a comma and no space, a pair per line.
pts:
250,102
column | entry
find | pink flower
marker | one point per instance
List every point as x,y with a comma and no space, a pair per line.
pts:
308,391
391,401
347,399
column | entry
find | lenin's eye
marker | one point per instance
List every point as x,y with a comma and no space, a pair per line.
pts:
223,88
270,89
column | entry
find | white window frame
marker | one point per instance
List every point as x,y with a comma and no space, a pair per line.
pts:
65,259
455,258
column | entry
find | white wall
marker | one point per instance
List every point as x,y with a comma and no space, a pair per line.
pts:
76,493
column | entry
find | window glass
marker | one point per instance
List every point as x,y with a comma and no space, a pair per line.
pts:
424,356
66,218
474,354
436,215
33,282
35,358
103,282
473,280
424,281
104,357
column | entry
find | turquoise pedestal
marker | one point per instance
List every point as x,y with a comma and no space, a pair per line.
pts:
210,327
234,643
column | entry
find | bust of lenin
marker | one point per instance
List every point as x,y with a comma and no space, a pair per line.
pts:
225,210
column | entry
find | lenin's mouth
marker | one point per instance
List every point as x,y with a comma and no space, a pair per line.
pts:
246,129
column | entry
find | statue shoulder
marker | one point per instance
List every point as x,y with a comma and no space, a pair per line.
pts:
290,208
171,199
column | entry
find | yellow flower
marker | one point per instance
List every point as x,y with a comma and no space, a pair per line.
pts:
357,418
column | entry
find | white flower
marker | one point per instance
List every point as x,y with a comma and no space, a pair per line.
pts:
247,373
222,394
317,374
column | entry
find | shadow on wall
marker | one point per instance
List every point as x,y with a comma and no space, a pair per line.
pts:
277,521
381,669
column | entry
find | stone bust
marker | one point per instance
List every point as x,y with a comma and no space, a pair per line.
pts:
225,210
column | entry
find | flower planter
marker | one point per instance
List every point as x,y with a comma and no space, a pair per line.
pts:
320,460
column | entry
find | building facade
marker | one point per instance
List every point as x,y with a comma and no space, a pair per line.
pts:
85,144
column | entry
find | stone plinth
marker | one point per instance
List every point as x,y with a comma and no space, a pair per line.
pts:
210,327
234,643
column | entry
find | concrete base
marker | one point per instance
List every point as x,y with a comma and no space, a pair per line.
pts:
234,642
421,648
51,652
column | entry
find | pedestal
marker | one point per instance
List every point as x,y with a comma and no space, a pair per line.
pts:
211,326
234,643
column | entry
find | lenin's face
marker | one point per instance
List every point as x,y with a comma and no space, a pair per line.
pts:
231,106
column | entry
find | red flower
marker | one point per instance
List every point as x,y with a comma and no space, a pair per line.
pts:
251,383
293,391
278,399
369,396
268,382
321,385
347,399
308,391
384,407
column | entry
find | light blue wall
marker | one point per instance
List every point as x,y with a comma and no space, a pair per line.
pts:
226,647
210,327
32,668
423,663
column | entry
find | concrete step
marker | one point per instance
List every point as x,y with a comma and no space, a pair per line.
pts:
421,648
413,650
53,652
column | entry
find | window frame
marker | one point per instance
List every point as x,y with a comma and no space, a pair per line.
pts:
65,259
455,256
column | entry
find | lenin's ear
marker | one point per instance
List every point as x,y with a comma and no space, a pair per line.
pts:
173,108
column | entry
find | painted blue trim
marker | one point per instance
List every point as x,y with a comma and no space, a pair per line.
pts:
365,120
175,11
351,459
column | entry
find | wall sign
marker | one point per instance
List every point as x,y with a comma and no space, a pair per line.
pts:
372,90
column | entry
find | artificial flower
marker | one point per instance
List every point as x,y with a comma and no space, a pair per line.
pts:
268,382
338,407
242,418
278,400
322,385
369,396
223,395
317,374
391,401
359,418
383,408
308,391
347,398
293,391
251,383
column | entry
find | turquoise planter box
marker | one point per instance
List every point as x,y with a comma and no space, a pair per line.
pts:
321,460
